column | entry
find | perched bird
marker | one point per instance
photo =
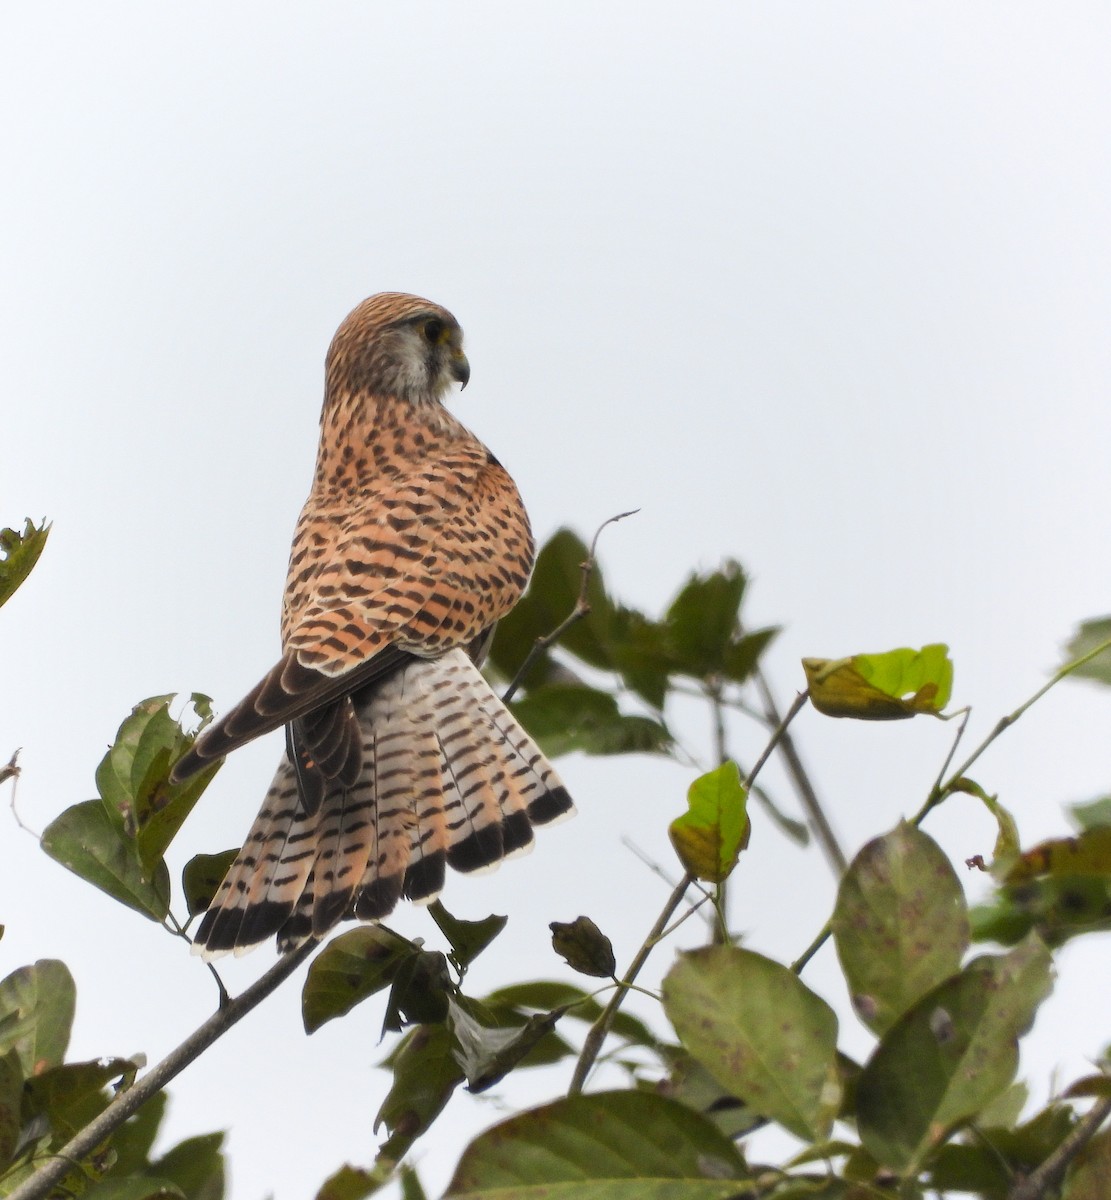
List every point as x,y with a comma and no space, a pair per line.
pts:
399,758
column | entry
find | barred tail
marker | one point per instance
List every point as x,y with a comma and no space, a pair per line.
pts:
448,779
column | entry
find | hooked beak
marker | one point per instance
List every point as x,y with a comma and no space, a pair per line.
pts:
460,368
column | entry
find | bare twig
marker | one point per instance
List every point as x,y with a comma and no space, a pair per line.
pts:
819,822
1040,1182
41,1184
940,790
581,609
12,770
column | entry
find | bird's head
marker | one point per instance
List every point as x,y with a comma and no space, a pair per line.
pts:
397,345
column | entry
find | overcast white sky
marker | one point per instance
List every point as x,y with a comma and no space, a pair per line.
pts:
824,287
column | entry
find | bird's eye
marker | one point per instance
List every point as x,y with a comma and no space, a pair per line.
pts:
434,330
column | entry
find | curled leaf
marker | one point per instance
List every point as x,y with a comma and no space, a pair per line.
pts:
585,947
882,687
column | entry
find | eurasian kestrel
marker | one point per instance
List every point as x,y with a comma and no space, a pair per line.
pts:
399,757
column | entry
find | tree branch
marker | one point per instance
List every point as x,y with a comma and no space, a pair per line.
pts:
1039,1183
581,609
41,1184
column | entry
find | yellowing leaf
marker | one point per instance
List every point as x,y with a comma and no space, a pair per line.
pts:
710,835
881,687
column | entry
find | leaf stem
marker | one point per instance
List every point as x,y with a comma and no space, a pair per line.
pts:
41,1184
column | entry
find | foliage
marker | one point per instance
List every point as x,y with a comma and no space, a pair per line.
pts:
742,1039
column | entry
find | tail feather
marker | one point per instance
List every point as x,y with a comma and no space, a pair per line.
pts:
447,777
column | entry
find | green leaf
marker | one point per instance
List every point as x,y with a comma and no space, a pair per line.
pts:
642,654
196,1166
881,687
551,598
584,947
1094,814
134,777
606,1146
743,656
18,554
467,938
72,1094
949,1056
355,1183
1090,635
350,968
202,877
703,620
709,836
425,1074
11,1097
760,1032
689,1082
1057,908
978,1169
563,717
132,1142
85,840
900,924
36,1014
410,1184
1090,1170
419,993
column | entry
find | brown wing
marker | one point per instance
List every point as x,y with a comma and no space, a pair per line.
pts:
287,693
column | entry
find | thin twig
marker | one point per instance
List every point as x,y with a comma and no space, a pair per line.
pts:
12,770
823,830
597,1033
719,933
939,791
1039,1183
581,609
127,1102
